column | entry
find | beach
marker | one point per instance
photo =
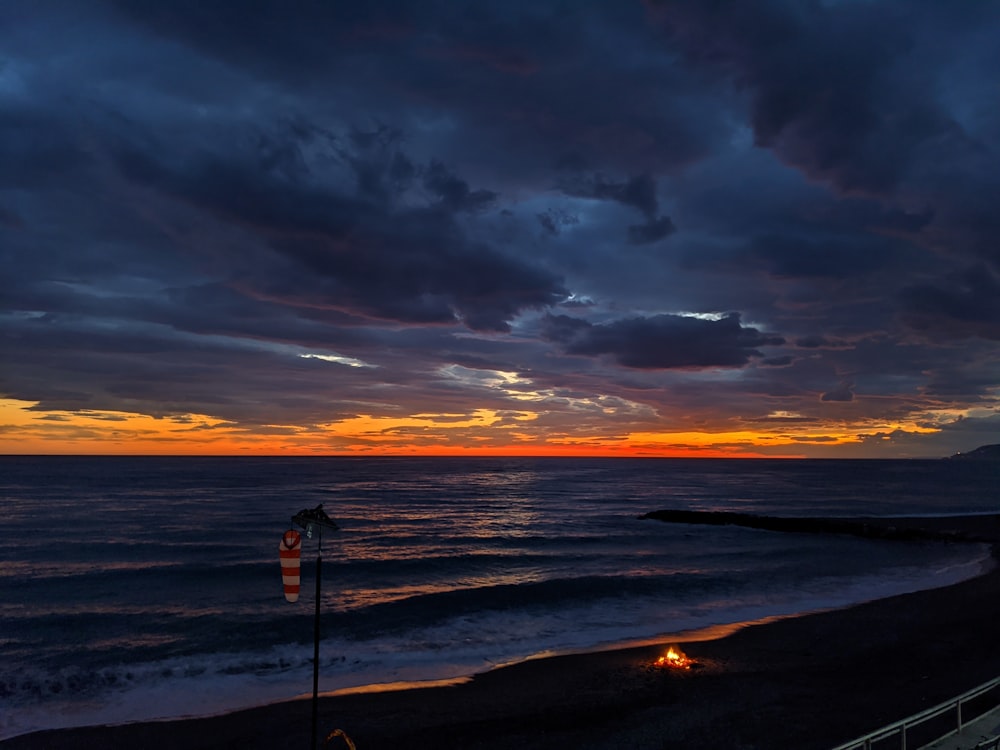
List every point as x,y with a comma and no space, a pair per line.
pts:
810,681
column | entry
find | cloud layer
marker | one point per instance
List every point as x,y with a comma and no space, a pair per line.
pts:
760,227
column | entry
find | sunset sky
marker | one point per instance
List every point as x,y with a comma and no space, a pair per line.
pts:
746,228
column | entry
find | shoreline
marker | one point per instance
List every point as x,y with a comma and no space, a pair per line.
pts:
803,681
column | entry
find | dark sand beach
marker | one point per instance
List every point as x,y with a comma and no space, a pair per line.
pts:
811,681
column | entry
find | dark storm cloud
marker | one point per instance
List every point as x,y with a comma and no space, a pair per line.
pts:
361,253
963,306
654,231
829,85
10,219
881,99
159,371
984,427
816,341
496,68
195,195
638,192
957,383
805,257
36,149
663,341
454,192
843,392
264,37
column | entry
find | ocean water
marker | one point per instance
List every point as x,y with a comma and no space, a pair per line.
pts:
141,588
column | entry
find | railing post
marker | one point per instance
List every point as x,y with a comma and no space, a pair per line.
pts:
885,733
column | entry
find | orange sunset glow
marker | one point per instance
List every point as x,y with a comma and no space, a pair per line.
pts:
26,431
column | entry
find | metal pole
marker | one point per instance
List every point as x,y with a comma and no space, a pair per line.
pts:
315,519
315,705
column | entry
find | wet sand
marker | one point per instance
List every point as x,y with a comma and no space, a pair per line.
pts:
804,682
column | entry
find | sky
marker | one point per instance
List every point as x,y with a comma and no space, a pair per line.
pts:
741,228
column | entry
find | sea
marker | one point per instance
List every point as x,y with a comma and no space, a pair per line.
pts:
139,588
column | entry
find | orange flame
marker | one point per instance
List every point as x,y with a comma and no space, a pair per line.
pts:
674,658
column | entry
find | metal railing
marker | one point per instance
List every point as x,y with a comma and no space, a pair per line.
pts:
900,728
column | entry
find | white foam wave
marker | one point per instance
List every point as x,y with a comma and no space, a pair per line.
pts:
222,682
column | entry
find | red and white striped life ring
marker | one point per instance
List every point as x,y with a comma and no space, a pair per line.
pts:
289,551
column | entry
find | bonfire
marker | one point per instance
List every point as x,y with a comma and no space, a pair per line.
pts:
674,659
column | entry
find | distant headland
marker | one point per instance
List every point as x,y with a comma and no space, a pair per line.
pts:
982,453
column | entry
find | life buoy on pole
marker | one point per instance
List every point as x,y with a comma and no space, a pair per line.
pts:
289,552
